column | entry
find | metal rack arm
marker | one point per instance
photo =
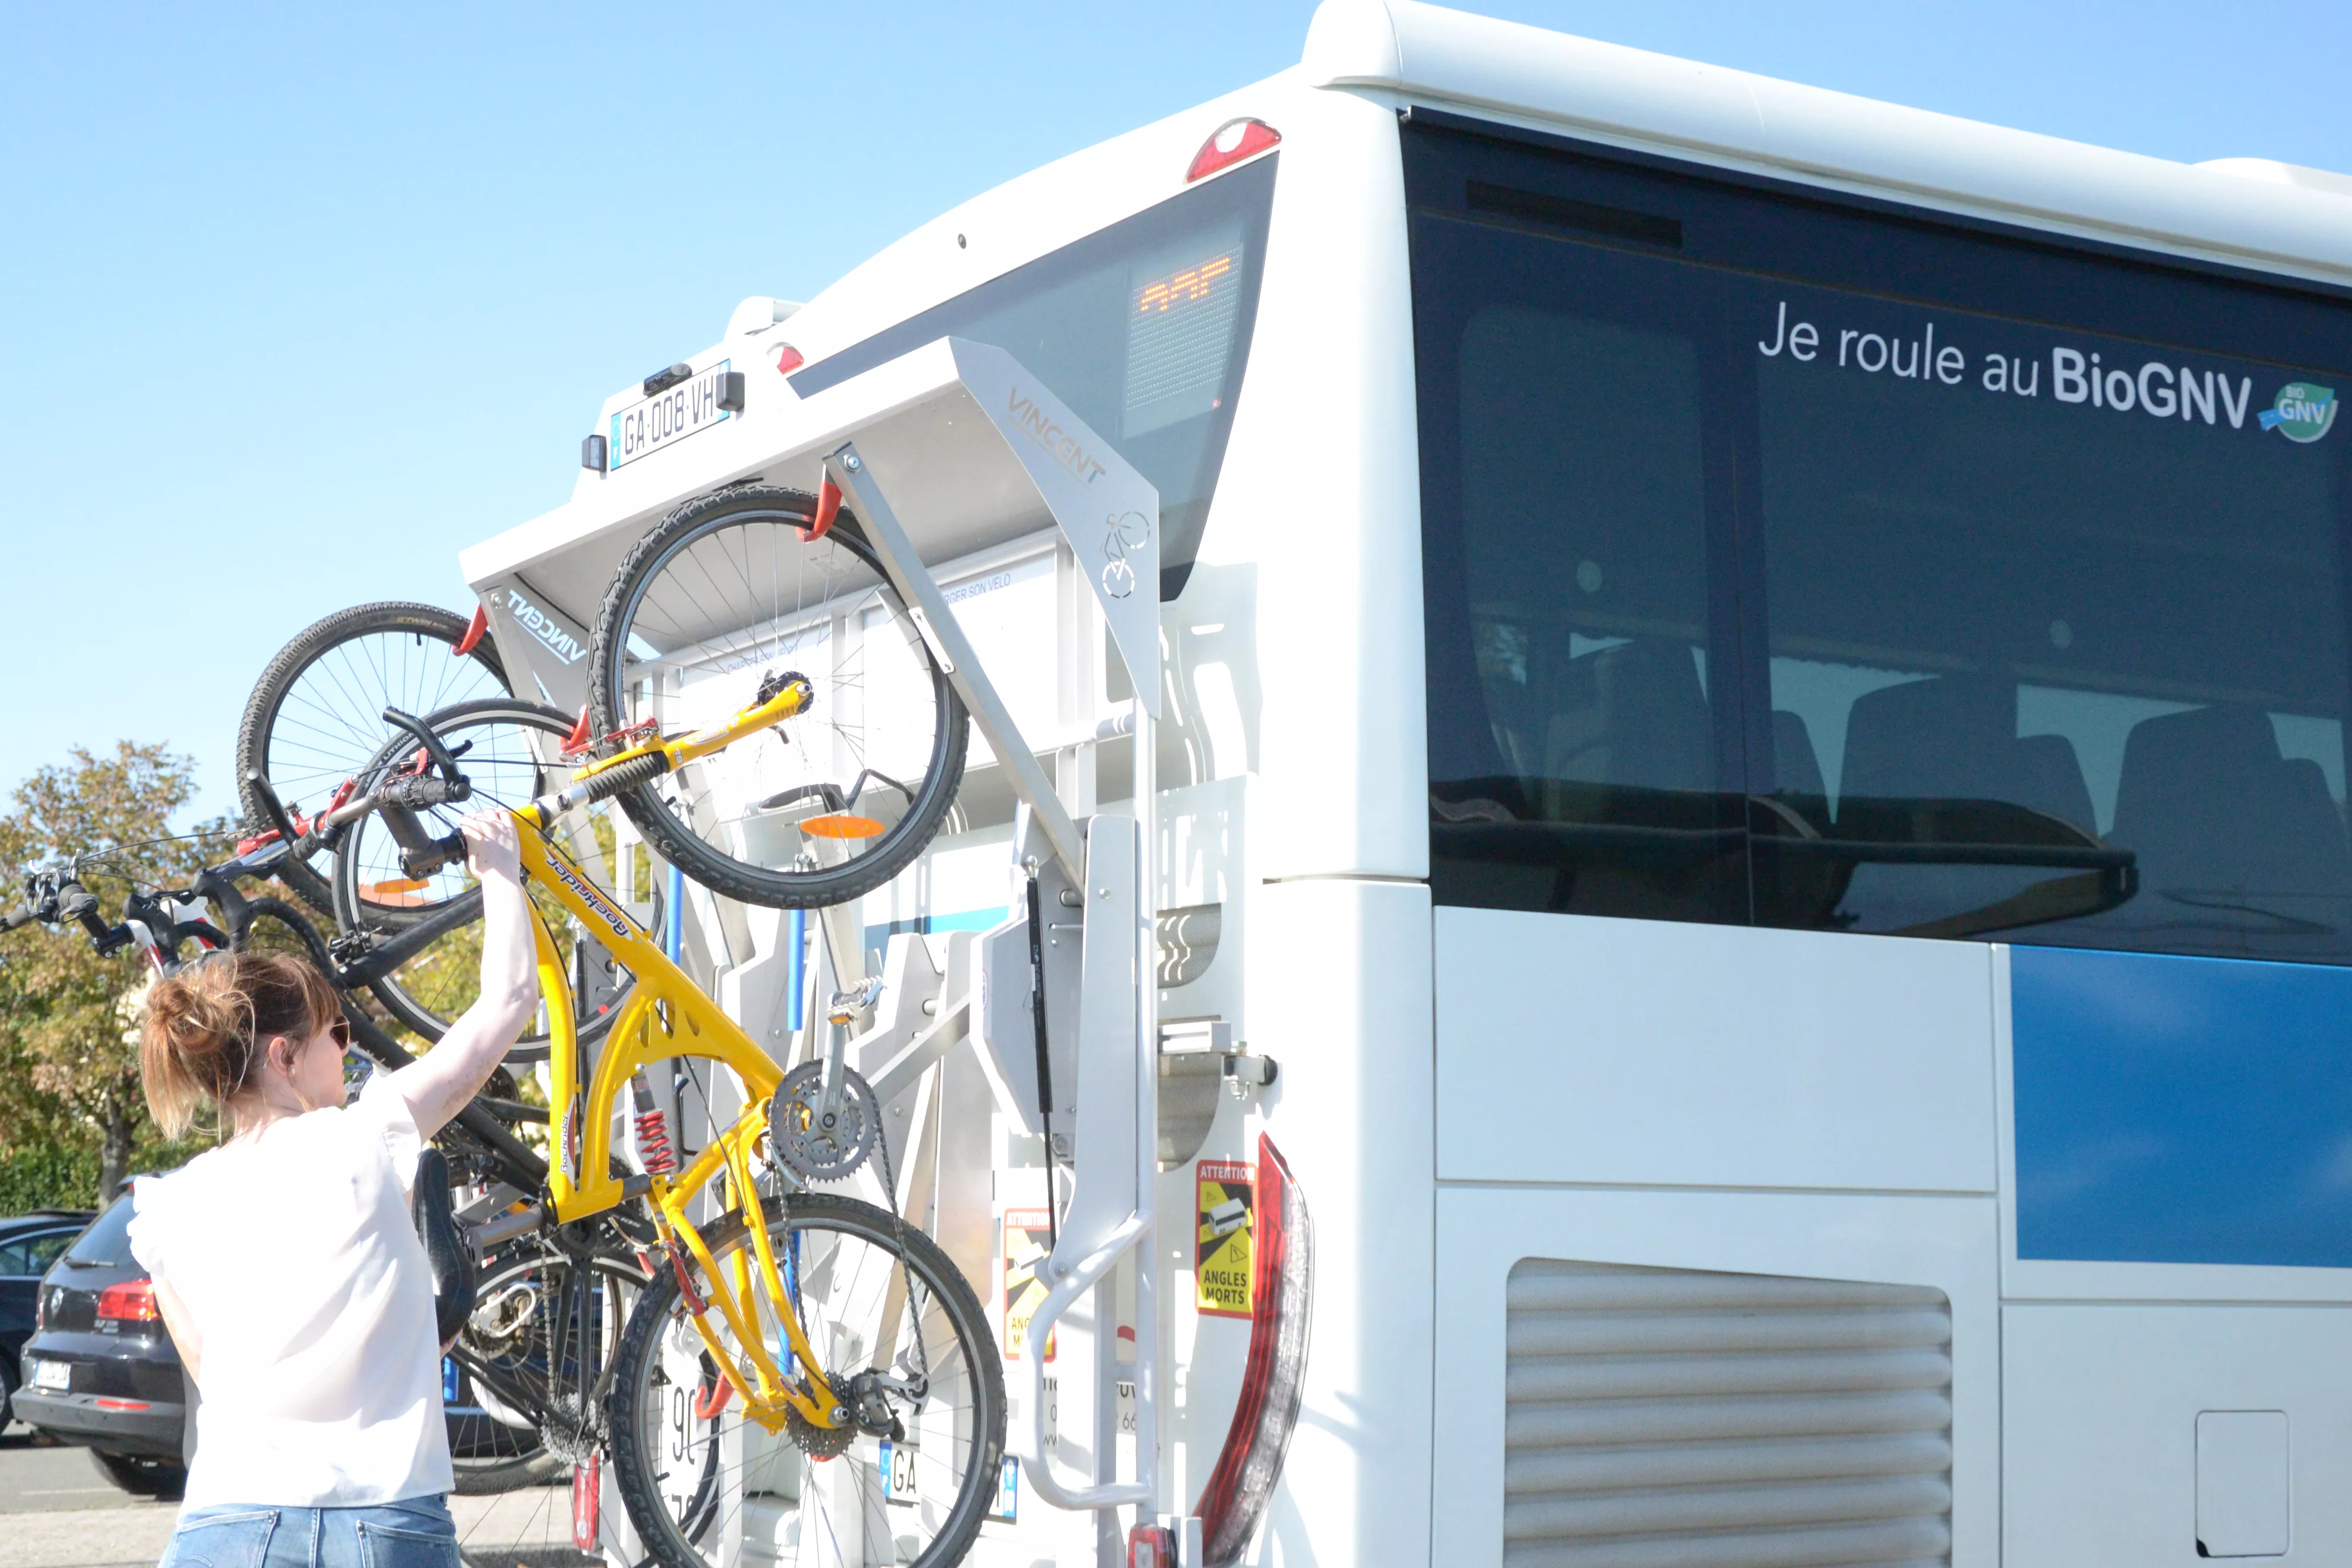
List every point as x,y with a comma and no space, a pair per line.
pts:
953,651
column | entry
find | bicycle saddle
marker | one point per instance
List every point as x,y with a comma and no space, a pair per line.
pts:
445,1247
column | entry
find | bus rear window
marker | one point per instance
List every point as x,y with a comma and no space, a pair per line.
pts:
2018,613
1142,328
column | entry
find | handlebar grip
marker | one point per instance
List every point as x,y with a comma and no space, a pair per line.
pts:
21,918
448,849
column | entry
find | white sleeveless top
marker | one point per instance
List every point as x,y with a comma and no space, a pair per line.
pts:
295,1253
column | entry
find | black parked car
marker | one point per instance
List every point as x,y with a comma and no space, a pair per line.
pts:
28,1244
99,1369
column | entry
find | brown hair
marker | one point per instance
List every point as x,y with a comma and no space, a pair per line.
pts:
207,1027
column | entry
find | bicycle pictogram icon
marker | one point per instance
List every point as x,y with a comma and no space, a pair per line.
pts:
1123,531
1119,579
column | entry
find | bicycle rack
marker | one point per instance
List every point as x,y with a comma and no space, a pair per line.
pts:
968,441
1109,515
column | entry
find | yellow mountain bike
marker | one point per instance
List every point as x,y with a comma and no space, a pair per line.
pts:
805,1367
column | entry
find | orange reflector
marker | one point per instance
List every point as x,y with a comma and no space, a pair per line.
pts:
841,825
381,890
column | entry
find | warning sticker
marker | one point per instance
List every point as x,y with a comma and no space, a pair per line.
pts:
1222,1271
1025,1246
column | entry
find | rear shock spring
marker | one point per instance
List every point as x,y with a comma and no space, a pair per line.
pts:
652,1144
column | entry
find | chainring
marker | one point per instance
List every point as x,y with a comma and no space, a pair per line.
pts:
809,1150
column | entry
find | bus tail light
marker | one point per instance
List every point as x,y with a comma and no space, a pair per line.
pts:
1235,1500
1231,142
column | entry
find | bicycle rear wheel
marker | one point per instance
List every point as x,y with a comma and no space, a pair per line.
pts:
869,1494
316,716
726,593
502,743
540,1321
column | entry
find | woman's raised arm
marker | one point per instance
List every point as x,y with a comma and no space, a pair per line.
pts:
437,1085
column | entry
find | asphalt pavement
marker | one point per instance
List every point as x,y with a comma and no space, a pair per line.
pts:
57,1509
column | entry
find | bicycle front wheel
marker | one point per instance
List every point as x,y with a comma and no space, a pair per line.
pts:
502,743
898,1330
725,595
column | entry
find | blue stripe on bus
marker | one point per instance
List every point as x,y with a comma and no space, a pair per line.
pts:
2181,1109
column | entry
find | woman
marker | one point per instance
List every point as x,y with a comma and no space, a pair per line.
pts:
286,1264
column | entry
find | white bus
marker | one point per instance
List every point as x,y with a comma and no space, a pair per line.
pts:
1756,691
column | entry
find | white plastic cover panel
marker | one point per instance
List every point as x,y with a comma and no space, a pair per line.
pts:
1675,1418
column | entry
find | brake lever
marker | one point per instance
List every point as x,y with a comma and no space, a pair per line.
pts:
442,760
279,818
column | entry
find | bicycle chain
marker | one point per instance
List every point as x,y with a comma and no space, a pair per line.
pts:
898,1234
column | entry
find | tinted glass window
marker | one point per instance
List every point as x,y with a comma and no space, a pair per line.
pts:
2004,616
32,1254
1997,591
108,1239
1574,764
1143,328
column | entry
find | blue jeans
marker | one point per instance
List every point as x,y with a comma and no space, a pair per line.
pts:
417,1532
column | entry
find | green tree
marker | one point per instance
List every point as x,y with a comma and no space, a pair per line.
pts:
69,1044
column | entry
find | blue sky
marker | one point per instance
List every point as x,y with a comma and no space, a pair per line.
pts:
300,302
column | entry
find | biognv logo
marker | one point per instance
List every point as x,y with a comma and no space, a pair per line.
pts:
2303,412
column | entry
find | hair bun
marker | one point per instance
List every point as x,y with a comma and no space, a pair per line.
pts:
207,1027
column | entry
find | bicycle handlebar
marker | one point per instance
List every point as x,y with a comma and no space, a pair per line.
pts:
445,764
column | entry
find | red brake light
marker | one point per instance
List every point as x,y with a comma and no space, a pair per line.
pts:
132,1301
788,359
1231,142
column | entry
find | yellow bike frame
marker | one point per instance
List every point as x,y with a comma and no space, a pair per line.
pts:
665,1014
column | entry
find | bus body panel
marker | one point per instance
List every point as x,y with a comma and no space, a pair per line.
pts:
2118,1422
1320,498
1657,1053
1486,1231
1341,995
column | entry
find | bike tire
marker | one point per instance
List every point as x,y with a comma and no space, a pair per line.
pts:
976,1434
482,1465
423,1002
337,713
624,620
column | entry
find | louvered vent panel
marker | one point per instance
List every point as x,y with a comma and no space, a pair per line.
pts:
1669,1418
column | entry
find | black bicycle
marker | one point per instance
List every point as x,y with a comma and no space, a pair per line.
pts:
544,1306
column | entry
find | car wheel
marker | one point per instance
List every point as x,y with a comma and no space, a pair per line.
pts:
140,1475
